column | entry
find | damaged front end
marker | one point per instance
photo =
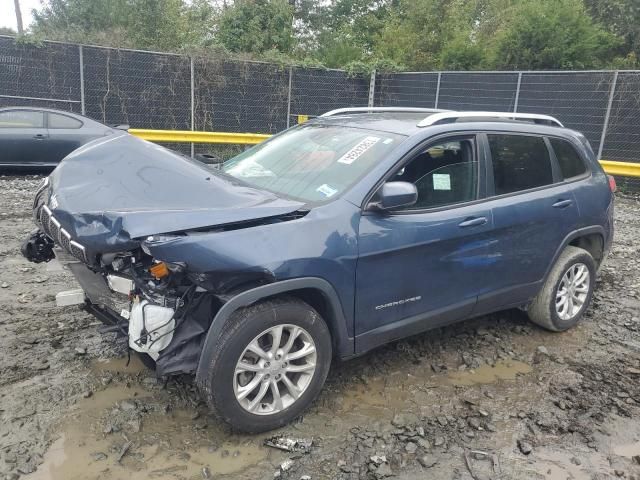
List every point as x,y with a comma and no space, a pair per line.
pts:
154,304
100,214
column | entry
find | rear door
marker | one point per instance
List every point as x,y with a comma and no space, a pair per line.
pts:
424,265
23,138
533,211
66,133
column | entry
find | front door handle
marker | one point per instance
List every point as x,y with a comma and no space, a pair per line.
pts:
562,204
39,136
473,222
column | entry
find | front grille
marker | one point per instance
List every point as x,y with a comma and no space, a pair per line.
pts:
65,240
54,228
45,216
77,250
59,235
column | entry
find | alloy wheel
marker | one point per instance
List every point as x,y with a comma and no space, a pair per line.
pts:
572,291
275,369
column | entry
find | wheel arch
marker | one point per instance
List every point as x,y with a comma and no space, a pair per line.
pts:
588,238
592,243
317,292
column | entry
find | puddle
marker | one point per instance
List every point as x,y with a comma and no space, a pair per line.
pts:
503,370
380,396
168,445
118,365
557,465
76,457
627,450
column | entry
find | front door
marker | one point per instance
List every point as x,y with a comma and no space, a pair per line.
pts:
23,137
424,265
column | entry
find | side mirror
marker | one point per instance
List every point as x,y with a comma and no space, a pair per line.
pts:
208,158
121,126
395,195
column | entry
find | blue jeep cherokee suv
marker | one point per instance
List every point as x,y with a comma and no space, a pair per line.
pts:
355,229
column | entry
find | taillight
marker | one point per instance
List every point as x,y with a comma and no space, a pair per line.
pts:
612,183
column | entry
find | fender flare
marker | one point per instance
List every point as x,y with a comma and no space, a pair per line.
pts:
337,324
599,229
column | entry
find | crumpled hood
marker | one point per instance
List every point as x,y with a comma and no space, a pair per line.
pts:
116,189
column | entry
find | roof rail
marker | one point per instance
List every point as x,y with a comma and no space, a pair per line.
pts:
340,111
438,117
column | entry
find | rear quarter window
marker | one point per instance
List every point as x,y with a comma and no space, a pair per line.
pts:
570,162
57,121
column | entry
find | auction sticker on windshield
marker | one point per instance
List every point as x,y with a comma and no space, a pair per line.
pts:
326,190
353,154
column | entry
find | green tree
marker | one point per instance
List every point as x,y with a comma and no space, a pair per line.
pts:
340,32
257,26
545,34
360,34
494,34
622,18
152,24
433,34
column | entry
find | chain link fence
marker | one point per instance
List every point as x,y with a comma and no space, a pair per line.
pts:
177,92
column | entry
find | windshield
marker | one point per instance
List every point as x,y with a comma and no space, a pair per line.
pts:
313,162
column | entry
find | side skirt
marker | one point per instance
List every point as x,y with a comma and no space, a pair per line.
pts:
413,325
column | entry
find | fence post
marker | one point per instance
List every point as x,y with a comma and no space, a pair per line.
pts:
193,103
372,88
81,58
438,90
289,97
607,114
515,103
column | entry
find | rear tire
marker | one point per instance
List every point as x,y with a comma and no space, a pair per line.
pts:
255,386
567,292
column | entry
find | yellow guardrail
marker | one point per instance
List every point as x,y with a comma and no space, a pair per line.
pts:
623,169
187,136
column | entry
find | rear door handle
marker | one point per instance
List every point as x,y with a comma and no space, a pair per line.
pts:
39,136
562,204
473,222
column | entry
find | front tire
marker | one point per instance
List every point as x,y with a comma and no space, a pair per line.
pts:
566,293
270,363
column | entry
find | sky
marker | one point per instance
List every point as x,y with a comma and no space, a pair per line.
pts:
8,15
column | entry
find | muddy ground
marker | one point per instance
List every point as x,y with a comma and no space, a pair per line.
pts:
494,397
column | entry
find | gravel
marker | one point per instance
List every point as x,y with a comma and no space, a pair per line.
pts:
530,401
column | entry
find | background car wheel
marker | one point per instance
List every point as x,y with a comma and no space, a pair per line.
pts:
567,292
270,363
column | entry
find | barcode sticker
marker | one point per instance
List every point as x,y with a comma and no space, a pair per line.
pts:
353,154
326,190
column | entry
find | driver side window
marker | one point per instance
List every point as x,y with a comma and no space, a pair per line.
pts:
444,174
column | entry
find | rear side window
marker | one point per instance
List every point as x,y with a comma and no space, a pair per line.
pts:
21,119
520,162
62,121
571,164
